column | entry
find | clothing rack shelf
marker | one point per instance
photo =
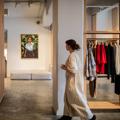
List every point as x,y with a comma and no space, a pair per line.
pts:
101,75
93,39
102,32
109,39
93,34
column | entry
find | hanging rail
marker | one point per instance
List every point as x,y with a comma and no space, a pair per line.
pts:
112,39
102,32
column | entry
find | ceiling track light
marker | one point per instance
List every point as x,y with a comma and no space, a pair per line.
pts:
23,1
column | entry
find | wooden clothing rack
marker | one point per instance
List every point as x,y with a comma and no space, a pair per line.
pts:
104,39
105,33
104,105
102,32
110,39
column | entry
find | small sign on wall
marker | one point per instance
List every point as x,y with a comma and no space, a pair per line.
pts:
29,45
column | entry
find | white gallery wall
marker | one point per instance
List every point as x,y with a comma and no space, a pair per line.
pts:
108,20
88,21
104,22
27,25
48,16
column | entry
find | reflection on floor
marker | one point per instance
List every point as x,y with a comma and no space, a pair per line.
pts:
102,105
27,96
105,91
32,100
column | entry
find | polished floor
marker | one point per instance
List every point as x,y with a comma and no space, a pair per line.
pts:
105,90
27,96
32,100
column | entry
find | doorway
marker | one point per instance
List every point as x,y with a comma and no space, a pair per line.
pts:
29,93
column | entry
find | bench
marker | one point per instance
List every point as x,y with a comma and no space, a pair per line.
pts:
30,75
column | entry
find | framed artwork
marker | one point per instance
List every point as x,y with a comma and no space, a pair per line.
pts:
29,45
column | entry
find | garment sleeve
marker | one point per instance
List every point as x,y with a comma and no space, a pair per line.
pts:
86,72
72,64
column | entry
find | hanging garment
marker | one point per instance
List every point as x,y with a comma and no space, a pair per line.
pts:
91,71
92,88
103,59
94,52
92,84
91,65
75,103
117,84
98,58
112,64
106,65
108,60
117,59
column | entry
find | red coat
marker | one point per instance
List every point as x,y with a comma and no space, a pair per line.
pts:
103,59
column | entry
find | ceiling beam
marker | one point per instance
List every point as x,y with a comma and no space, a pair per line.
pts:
21,1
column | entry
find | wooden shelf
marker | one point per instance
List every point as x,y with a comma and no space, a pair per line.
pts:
103,105
102,32
103,39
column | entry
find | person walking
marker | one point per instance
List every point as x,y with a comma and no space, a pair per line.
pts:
75,102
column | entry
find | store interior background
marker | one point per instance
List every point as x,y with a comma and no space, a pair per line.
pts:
103,16
25,96
22,18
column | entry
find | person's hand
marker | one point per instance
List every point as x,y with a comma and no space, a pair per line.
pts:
63,67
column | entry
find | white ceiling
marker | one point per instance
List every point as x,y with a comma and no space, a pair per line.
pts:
95,6
24,10
89,2
24,0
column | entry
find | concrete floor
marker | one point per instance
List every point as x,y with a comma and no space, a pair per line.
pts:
32,100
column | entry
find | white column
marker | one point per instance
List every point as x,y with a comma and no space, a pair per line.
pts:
70,21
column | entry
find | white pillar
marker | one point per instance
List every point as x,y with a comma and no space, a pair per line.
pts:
70,20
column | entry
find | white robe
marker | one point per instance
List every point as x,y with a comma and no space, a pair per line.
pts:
75,103
117,59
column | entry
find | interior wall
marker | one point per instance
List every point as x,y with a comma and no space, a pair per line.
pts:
24,10
88,21
2,59
70,25
18,26
115,20
48,16
104,22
